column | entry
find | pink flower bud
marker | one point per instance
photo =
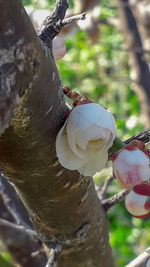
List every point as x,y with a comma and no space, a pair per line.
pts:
59,48
132,165
137,201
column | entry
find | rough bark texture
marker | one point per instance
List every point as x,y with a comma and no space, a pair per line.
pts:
63,205
140,73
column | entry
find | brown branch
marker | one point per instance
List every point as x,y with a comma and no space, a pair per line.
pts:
13,205
143,136
143,260
53,24
103,191
73,18
21,244
108,203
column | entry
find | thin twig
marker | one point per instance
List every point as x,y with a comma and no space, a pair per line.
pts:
73,18
108,203
142,136
13,204
103,191
53,24
54,254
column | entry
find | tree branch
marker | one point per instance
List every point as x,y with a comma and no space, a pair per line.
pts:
73,18
143,260
21,243
108,203
13,205
103,191
143,136
54,254
53,23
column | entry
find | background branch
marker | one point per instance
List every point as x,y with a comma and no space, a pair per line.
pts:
103,191
21,244
143,136
109,202
143,260
138,64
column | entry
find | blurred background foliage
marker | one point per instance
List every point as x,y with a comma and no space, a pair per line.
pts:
100,71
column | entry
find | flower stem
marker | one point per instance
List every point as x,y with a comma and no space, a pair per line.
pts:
117,145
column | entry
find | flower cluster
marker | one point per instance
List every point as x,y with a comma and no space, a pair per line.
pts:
131,167
82,144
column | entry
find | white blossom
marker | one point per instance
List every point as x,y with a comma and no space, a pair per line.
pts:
82,143
131,167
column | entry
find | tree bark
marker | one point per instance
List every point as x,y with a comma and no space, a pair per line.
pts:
62,204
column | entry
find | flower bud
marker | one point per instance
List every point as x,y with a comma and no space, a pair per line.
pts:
82,143
132,166
137,201
59,48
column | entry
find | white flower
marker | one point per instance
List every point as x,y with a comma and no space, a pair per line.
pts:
59,48
137,201
131,167
82,143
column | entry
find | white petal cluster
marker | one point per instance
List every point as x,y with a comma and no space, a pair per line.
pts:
131,167
82,143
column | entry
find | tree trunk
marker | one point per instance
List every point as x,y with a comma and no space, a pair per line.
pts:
62,204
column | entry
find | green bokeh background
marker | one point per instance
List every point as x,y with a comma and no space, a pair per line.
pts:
100,71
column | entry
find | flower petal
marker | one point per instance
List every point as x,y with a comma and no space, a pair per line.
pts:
90,134
134,157
96,162
66,157
83,116
135,204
